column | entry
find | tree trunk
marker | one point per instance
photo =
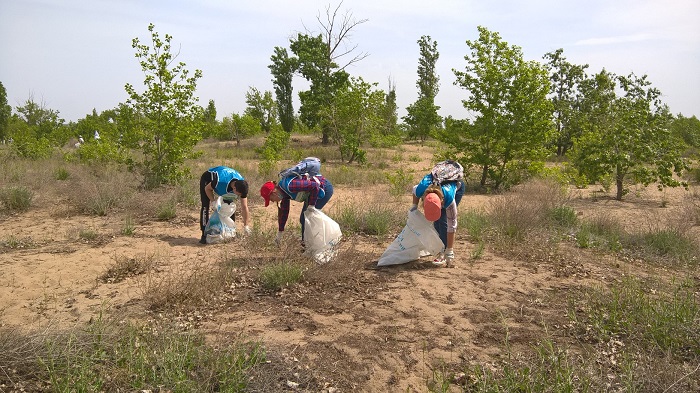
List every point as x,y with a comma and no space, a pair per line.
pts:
620,187
484,174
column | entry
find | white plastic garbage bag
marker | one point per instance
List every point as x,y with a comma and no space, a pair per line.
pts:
418,238
220,226
321,235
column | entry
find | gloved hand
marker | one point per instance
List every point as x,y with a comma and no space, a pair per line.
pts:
247,231
278,238
413,208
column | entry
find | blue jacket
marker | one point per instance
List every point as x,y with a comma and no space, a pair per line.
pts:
224,175
448,189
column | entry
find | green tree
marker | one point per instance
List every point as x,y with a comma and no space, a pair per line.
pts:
565,79
237,127
389,133
319,59
508,96
627,138
5,112
210,124
262,107
283,68
687,129
422,117
354,118
167,112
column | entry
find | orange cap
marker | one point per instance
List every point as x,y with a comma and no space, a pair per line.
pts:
432,207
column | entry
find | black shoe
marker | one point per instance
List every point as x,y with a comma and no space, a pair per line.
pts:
203,240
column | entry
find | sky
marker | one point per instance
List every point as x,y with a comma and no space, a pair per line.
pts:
74,56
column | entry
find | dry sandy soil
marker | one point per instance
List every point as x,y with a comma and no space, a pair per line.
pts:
349,327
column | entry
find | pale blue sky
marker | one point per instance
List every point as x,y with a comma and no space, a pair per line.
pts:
74,55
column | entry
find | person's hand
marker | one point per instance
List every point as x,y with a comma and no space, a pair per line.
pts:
247,231
413,208
278,238
311,209
213,206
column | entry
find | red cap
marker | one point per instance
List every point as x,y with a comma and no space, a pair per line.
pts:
432,207
266,190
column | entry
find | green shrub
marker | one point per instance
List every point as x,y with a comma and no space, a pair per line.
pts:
16,198
62,174
399,182
279,275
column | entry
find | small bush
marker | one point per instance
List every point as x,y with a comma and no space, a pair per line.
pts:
400,182
17,198
370,219
167,211
128,229
279,275
62,174
476,223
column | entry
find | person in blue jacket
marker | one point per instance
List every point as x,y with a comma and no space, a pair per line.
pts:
440,206
222,181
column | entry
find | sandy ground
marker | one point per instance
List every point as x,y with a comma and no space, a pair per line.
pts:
354,327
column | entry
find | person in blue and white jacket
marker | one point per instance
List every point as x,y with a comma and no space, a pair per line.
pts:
440,206
230,185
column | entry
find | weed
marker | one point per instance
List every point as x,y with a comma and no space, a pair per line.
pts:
167,210
129,228
87,234
16,198
61,174
278,275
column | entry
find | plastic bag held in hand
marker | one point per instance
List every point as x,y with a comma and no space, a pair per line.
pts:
413,208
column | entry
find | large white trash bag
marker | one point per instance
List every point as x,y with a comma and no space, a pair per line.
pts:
321,235
418,238
220,226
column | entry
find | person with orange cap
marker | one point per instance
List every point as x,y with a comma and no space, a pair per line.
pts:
440,202
313,191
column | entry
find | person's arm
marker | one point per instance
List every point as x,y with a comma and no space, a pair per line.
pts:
306,185
415,198
283,213
451,215
209,190
245,212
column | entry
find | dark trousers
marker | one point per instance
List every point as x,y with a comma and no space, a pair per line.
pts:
320,203
204,211
441,224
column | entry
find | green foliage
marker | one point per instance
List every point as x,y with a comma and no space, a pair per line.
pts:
167,125
101,152
422,118
687,129
262,108
475,222
237,127
370,219
552,370
509,96
271,151
137,358
61,174
282,69
353,117
399,182
565,79
16,198
663,320
167,210
5,113
626,138
279,275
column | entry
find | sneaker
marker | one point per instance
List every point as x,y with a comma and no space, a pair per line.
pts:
440,260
